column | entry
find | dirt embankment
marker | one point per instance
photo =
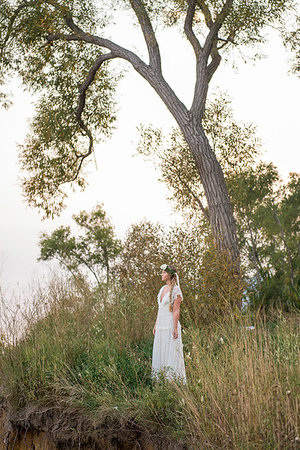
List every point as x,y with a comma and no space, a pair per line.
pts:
52,428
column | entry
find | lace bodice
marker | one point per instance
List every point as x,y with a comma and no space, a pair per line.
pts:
176,291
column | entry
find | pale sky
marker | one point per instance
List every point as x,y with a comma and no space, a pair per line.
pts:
262,93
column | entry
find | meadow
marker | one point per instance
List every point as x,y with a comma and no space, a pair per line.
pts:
86,354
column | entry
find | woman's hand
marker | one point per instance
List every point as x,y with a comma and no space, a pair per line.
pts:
175,333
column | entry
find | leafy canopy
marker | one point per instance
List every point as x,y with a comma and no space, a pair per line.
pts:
61,50
94,248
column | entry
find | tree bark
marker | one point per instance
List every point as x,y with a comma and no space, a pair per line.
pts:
220,211
106,262
211,175
255,257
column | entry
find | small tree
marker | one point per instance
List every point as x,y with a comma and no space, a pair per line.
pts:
95,249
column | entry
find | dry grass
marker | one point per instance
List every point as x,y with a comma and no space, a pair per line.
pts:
73,348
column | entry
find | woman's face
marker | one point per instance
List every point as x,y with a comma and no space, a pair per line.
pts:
165,275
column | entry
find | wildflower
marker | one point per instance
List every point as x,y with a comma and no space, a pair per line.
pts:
288,392
202,399
221,340
115,407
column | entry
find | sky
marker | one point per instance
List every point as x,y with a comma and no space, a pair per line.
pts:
262,93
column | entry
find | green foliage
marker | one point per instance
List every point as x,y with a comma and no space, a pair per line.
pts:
210,289
266,209
246,20
249,187
242,24
235,144
140,259
95,249
276,291
290,199
291,39
41,42
58,144
55,149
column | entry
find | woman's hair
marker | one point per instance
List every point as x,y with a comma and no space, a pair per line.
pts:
173,283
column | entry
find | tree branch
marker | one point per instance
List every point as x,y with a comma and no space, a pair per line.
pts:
204,71
81,103
206,12
149,72
148,32
230,40
80,35
154,77
213,33
215,61
194,195
89,79
11,23
188,28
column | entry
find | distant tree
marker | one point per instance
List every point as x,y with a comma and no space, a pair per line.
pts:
141,257
95,248
282,224
62,49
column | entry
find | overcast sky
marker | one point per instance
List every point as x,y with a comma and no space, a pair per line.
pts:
262,93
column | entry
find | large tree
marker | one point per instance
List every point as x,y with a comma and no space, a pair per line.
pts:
266,208
62,48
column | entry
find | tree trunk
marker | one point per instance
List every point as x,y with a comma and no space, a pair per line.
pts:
106,262
255,256
221,217
220,211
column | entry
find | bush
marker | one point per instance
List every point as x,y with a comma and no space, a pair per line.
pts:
276,291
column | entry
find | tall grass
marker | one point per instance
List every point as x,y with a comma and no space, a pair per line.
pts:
91,351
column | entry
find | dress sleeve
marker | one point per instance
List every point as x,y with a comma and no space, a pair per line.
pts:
176,291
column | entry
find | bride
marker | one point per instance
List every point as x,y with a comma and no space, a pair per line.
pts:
167,354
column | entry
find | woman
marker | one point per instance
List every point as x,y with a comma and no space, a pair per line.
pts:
167,355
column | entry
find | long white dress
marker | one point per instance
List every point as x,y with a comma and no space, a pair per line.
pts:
167,354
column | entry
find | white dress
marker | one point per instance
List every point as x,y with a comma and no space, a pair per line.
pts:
167,354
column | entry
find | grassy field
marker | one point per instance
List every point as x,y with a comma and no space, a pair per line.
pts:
91,353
